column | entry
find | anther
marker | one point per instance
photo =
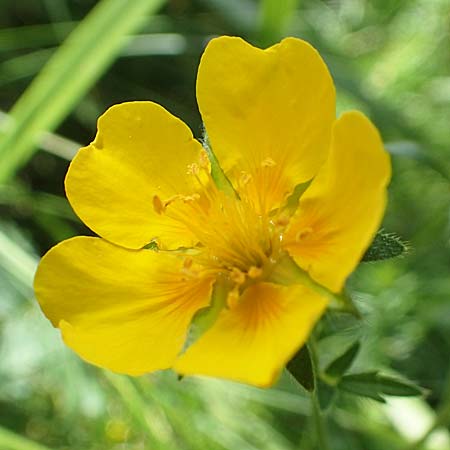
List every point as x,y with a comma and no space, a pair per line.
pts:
302,234
193,169
158,205
203,160
237,276
255,272
268,162
282,221
244,178
190,198
187,263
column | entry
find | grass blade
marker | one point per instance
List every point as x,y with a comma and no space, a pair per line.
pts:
74,68
13,441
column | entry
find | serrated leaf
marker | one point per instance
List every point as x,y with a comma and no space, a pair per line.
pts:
301,368
337,368
385,246
373,385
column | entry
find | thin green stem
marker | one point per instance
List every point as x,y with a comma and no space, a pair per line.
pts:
317,416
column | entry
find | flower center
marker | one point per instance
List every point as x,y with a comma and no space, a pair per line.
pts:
234,240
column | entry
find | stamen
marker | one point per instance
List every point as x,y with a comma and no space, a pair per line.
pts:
268,162
190,198
158,205
244,178
237,276
204,160
193,169
281,221
302,234
255,272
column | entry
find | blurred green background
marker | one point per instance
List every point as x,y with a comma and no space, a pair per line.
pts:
63,62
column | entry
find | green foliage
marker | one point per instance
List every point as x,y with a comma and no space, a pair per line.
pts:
384,62
337,368
375,386
301,368
72,70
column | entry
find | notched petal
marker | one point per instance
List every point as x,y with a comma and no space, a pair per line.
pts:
140,151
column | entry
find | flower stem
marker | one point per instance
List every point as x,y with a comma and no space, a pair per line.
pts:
317,416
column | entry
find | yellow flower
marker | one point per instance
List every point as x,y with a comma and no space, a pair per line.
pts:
270,118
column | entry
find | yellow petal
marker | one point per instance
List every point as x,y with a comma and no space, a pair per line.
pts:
140,151
342,209
268,114
253,341
124,310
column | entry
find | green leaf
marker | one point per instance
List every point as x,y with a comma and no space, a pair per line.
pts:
394,386
206,317
385,246
326,394
12,441
341,364
300,367
73,69
373,385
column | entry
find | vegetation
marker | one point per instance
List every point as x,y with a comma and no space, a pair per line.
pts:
64,62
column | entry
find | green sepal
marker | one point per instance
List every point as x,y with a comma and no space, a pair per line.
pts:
337,368
286,272
217,174
293,199
206,317
344,303
385,246
301,368
374,385
153,245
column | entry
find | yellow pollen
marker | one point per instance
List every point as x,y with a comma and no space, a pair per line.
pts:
187,263
204,160
245,178
255,272
302,234
268,162
190,198
282,221
237,276
193,169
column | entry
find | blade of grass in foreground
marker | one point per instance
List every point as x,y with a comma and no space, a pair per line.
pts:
12,441
74,68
